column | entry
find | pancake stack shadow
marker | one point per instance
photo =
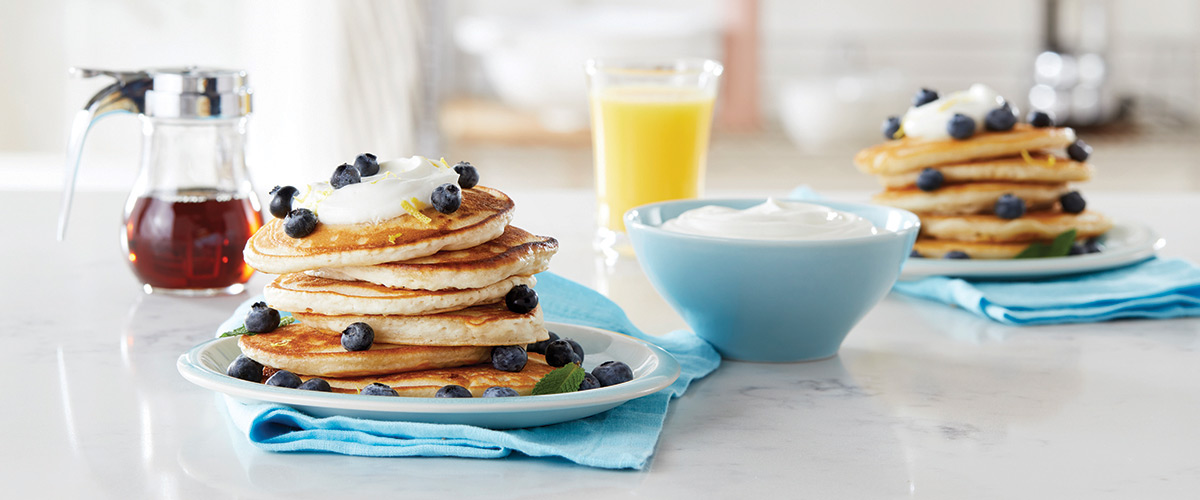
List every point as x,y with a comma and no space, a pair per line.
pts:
431,289
989,196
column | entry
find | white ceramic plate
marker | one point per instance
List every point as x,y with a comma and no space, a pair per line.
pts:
1125,243
653,370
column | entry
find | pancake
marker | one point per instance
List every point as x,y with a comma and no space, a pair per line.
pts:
971,198
1007,169
483,325
476,378
935,249
299,292
1032,226
910,153
302,349
482,217
516,252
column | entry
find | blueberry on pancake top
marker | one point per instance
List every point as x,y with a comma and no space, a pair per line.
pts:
960,126
923,97
1001,119
521,299
366,164
468,177
447,198
1079,150
299,223
1040,119
358,337
344,175
281,203
891,126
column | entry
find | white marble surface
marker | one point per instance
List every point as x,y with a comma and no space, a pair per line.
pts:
923,401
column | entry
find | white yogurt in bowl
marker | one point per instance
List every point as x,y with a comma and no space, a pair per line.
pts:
772,220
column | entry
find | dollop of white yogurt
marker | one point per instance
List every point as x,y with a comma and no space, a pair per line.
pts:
929,120
772,220
378,197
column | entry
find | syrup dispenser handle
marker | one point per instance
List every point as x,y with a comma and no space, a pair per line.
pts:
127,95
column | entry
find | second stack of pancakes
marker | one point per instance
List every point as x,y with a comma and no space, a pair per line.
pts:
436,314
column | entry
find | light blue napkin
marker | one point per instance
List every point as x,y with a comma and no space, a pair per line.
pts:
621,438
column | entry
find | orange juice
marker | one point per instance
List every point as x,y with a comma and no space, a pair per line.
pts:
650,144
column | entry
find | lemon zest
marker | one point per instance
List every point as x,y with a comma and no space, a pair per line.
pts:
1050,160
307,189
386,175
1027,157
899,133
410,206
392,238
949,103
444,164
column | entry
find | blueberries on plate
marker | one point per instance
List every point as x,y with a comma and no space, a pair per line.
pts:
960,126
261,319
1040,119
315,384
500,392
453,391
956,254
589,382
284,378
447,198
1000,119
344,175
540,346
1076,249
521,299
468,176
890,126
246,369
561,351
612,373
378,389
509,358
930,179
281,203
1092,245
358,337
299,223
1072,202
1009,207
366,164
915,254
1079,150
923,97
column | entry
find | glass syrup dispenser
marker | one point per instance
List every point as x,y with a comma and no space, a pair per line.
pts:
192,207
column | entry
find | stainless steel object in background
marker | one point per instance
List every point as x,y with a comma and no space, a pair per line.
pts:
1071,75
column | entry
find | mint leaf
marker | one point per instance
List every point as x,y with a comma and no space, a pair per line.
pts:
563,379
1060,247
241,330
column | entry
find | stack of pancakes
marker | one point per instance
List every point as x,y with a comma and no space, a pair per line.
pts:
1026,162
432,291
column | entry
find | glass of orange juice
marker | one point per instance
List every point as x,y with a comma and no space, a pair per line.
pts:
650,128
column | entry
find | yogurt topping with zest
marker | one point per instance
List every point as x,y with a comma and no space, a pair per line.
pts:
772,220
378,197
929,120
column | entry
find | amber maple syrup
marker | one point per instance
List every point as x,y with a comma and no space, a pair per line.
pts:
191,240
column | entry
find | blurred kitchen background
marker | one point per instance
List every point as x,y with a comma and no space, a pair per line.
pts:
807,82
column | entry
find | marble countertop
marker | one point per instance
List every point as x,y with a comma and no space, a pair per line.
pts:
923,400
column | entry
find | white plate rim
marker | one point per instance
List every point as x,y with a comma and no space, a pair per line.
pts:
665,371
1145,245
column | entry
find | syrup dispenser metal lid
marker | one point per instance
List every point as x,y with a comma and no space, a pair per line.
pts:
195,92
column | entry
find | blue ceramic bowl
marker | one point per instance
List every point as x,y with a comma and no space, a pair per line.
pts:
757,300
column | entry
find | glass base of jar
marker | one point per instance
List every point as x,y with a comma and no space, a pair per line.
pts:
195,292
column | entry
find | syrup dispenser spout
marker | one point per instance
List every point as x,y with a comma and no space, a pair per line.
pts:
127,95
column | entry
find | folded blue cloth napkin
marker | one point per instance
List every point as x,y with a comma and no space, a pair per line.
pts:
621,438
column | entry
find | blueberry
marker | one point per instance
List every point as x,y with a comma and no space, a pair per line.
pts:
366,165
1079,151
540,346
344,175
315,384
499,392
1040,119
1000,119
577,348
447,198
890,126
612,373
509,358
956,254
261,319
299,223
915,254
284,378
1076,249
521,299
960,126
358,337
1093,246
589,382
1072,202
281,204
453,391
378,389
930,179
468,177
923,97
245,369
1009,207
560,352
